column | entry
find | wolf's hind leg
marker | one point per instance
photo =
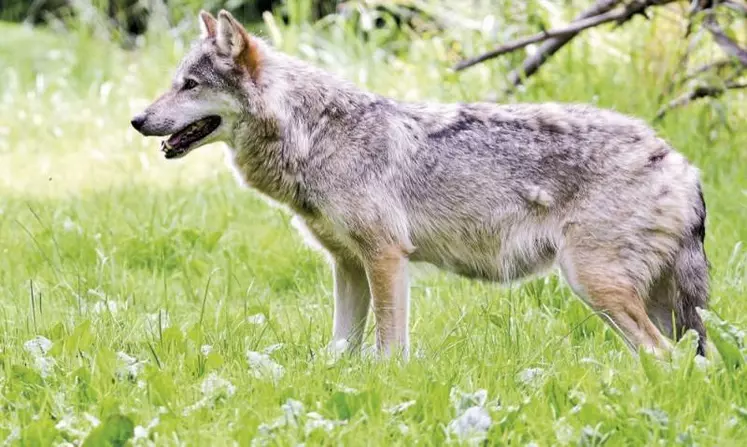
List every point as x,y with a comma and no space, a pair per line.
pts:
607,290
660,304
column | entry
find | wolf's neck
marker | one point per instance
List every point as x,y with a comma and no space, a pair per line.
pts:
306,104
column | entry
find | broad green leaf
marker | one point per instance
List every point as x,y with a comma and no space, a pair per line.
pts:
651,367
80,339
115,431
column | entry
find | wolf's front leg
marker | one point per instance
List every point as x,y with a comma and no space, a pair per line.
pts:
387,276
352,299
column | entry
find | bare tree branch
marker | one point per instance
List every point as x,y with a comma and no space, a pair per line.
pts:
532,63
742,9
621,16
722,40
703,91
716,66
682,64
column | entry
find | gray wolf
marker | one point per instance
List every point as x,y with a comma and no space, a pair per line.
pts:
491,192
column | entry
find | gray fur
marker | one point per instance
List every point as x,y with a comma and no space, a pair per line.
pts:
495,192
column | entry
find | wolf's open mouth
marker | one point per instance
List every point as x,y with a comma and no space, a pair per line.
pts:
179,143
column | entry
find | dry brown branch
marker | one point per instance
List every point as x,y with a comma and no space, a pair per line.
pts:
703,91
532,63
620,16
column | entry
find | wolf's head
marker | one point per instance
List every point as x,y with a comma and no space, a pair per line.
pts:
215,86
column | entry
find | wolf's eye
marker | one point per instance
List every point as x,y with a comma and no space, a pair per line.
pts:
189,84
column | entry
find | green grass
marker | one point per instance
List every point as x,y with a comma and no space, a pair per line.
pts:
118,256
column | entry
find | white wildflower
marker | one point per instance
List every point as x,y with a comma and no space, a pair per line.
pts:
315,421
419,353
472,421
292,411
93,420
702,363
75,427
129,367
657,416
592,436
293,416
69,425
472,425
263,367
38,345
590,361
563,431
346,389
68,225
44,365
399,408
216,387
578,398
336,349
15,434
206,349
256,319
531,376
142,434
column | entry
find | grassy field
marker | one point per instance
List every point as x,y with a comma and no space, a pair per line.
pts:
158,301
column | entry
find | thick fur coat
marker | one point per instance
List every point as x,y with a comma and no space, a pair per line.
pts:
493,192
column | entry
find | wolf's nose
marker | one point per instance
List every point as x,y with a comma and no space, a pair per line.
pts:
138,121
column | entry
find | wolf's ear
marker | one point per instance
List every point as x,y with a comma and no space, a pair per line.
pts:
207,25
233,40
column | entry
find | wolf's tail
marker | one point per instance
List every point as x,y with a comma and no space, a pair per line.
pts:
691,276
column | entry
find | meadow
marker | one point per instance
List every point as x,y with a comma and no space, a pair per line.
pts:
156,302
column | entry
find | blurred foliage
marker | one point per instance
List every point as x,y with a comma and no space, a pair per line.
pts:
131,17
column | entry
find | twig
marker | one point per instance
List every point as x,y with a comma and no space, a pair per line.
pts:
722,40
682,64
621,16
532,63
741,9
716,66
703,91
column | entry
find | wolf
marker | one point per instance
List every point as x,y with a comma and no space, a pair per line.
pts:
491,192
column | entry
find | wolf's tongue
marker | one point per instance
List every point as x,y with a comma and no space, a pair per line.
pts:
182,136
174,140
192,133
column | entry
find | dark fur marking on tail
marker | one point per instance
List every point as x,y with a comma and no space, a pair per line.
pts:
698,230
692,275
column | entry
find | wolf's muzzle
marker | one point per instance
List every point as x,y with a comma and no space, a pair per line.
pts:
138,122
